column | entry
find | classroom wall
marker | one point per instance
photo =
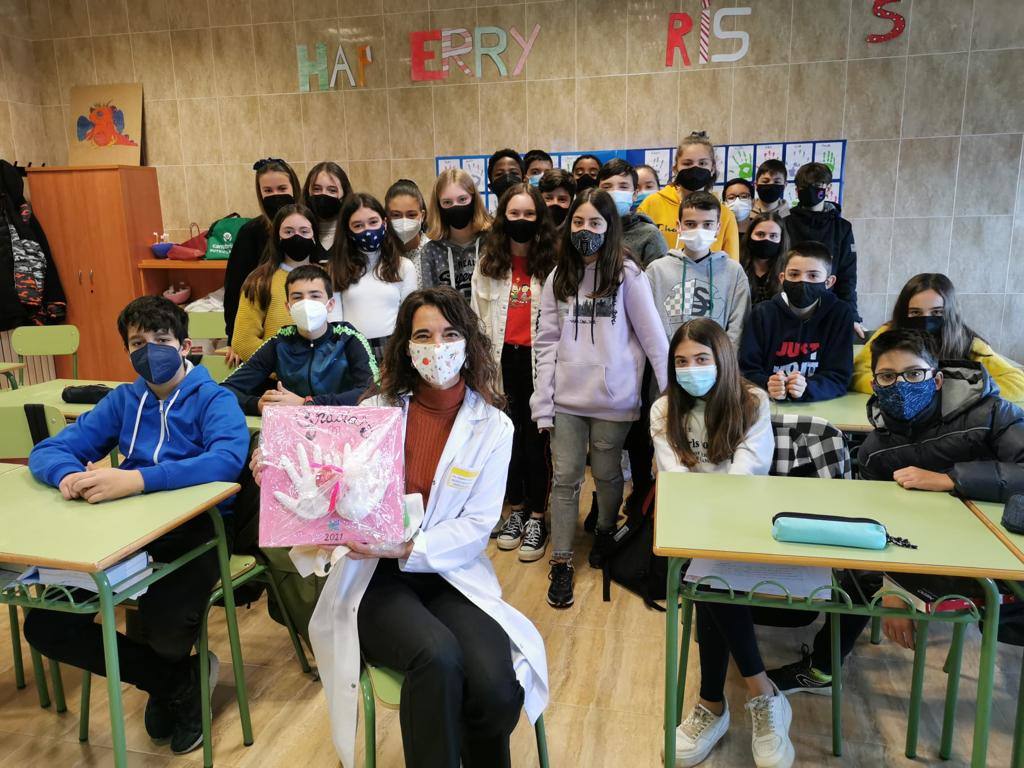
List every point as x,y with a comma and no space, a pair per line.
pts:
934,117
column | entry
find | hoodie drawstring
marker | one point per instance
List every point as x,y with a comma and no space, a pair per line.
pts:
138,418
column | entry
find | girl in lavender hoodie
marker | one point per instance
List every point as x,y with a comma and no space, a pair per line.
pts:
597,323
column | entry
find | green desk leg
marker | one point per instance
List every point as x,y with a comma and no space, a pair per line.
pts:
684,656
837,686
11,379
113,669
917,685
39,673
675,566
986,674
952,669
542,742
58,686
19,663
876,630
1017,760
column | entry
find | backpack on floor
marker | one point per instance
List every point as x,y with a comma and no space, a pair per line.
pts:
631,561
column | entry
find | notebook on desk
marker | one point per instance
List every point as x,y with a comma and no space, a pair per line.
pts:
121,575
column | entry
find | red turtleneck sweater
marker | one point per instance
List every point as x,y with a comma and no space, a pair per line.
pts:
432,413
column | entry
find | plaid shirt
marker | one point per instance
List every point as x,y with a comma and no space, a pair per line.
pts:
808,446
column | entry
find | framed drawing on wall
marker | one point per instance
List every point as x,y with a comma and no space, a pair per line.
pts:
106,124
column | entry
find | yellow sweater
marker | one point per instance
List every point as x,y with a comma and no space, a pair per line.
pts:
663,208
1006,375
254,324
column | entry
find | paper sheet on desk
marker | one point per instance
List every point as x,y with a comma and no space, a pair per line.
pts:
801,581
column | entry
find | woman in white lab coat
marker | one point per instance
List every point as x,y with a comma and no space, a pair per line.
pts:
432,608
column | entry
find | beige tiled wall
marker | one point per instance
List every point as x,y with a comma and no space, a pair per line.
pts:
934,118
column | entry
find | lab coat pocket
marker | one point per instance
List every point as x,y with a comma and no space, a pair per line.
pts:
461,479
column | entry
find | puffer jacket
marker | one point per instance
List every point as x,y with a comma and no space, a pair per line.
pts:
969,433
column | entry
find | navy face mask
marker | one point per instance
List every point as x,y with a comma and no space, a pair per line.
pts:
156,363
369,240
905,401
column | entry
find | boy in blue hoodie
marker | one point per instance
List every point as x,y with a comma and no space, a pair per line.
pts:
313,361
175,427
799,345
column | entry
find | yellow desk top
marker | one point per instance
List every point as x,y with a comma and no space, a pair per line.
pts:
38,527
729,517
848,413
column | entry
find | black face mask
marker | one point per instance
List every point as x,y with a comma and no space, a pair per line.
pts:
521,230
764,250
769,193
802,295
325,206
932,325
693,178
297,247
504,181
458,216
586,181
274,203
558,213
810,196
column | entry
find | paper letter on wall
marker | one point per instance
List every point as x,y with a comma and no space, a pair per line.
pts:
419,55
493,51
723,34
317,67
526,44
341,65
678,25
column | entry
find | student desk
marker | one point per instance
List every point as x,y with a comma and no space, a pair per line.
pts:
728,517
8,370
5,468
49,393
847,413
41,528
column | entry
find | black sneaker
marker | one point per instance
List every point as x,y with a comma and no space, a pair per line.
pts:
603,541
535,540
159,719
560,591
801,677
511,533
187,705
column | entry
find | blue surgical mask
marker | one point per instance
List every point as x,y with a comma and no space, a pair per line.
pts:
697,379
623,200
641,196
905,401
156,363
535,180
369,240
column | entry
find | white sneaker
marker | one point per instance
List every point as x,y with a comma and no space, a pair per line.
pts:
770,717
698,734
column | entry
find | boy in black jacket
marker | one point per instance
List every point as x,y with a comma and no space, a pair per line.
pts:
935,430
816,218
799,345
313,361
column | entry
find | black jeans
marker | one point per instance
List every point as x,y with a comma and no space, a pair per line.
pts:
725,630
460,698
639,446
529,469
170,614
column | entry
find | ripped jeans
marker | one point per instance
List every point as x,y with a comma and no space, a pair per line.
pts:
571,438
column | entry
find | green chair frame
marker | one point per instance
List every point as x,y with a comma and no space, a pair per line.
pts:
244,569
217,366
386,684
30,340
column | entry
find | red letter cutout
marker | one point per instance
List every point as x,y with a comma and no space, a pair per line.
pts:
419,55
678,25
898,22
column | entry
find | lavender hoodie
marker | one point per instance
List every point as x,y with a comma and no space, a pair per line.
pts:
590,353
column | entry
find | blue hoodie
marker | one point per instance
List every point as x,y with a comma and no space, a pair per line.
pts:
197,435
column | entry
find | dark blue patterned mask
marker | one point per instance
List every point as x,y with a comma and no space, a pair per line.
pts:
369,240
905,401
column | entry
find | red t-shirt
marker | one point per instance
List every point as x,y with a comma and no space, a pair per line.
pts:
517,323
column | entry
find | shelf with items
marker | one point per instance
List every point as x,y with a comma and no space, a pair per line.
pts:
183,265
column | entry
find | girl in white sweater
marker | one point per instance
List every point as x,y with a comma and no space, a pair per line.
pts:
712,420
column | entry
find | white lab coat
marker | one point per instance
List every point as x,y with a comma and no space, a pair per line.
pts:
465,504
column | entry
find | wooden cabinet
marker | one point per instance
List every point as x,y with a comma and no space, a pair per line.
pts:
100,222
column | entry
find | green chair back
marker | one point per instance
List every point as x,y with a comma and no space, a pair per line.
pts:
15,437
217,366
31,340
206,325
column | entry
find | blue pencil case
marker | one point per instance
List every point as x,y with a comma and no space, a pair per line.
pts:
834,531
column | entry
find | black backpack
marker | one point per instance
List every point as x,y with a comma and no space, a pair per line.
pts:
631,561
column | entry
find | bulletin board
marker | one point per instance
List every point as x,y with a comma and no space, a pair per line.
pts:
732,159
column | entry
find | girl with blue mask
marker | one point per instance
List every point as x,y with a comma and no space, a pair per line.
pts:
646,183
712,420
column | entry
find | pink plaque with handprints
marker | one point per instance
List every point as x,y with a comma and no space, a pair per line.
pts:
331,474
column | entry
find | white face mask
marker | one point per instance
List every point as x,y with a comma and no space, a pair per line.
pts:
406,229
438,363
309,315
698,240
740,208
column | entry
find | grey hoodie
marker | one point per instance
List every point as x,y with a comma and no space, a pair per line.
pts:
439,257
642,236
716,287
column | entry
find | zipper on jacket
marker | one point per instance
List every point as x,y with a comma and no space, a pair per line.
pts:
160,442
836,518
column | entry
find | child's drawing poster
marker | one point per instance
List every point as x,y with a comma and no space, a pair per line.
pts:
106,124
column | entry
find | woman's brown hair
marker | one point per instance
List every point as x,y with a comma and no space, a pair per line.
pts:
275,165
331,168
348,263
256,287
496,256
437,229
731,404
398,376
611,256
957,337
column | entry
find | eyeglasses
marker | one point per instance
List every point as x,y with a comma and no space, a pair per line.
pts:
910,376
740,196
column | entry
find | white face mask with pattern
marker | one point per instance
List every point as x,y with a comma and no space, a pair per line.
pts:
438,364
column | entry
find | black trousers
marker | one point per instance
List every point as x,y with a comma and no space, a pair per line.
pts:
460,698
639,447
725,630
170,614
529,470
